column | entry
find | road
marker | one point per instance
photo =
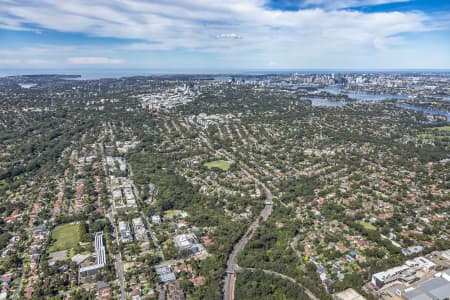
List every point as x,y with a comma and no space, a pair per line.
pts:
22,276
307,292
143,216
230,277
294,247
110,215
152,235
19,285
120,271
117,257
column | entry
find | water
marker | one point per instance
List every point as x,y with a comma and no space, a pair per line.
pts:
426,110
223,78
27,85
93,74
326,103
335,90
375,97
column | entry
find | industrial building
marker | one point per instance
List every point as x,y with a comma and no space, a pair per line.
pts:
405,273
348,294
100,257
437,288
165,274
140,232
125,232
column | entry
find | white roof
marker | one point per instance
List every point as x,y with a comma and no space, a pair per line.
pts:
91,268
182,240
79,258
390,272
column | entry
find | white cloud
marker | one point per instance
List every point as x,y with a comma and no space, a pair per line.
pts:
227,28
229,36
9,61
36,61
340,4
94,60
38,50
146,46
193,24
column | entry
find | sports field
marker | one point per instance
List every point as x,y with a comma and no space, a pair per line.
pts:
444,128
437,133
220,164
65,237
368,226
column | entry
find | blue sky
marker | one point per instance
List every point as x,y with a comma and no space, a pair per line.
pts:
227,34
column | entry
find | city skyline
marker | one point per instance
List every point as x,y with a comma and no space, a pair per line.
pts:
202,35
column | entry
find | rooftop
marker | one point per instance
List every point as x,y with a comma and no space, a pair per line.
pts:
348,294
436,288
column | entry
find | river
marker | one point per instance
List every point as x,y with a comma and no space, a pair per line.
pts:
426,110
334,90
326,103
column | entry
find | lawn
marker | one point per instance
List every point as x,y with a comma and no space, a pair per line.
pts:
426,136
437,133
65,237
175,213
368,226
444,128
220,164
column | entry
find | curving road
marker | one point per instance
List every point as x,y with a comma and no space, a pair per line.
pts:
293,245
230,278
270,272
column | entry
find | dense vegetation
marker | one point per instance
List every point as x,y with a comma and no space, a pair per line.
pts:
259,285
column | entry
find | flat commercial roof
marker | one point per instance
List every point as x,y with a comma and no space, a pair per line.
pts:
167,277
91,268
79,258
436,288
349,294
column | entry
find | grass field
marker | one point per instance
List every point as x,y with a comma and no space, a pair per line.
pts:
172,213
426,136
65,237
368,226
444,128
221,164
437,133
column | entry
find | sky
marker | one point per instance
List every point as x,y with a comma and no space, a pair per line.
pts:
225,34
